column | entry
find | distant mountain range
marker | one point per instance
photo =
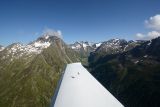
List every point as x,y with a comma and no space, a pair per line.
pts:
128,69
111,46
132,75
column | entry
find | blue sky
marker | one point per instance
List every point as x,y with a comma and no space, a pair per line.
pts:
92,20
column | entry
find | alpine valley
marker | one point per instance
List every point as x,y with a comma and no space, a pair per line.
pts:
130,70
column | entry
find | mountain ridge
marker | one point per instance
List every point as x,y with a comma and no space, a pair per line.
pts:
131,76
34,69
29,73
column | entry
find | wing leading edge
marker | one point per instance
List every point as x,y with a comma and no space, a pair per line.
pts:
78,88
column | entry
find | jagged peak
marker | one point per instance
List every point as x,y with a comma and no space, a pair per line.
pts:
116,40
17,44
49,33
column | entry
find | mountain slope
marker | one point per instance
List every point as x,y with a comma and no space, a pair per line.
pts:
30,80
84,49
111,47
132,76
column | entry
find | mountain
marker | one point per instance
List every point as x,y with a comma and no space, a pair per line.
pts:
132,76
29,73
84,49
86,46
113,46
128,69
1,47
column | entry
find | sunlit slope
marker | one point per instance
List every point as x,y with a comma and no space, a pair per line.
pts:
31,81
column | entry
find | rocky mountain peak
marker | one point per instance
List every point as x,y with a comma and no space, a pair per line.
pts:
48,38
116,41
82,45
1,48
17,50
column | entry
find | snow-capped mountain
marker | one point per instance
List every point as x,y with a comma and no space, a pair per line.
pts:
111,46
30,72
138,69
85,47
81,45
41,43
1,48
17,50
96,45
14,50
117,45
36,67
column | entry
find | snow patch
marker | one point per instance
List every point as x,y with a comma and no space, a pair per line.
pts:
2,48
41,45
19,50
149,43
145,56
46,37
136,62
98,45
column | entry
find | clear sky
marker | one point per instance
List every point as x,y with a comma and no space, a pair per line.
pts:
92,20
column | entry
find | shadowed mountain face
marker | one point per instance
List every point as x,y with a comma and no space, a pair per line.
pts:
97,50
111,47
132,76
29,73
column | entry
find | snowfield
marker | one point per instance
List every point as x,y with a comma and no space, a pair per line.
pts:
79,88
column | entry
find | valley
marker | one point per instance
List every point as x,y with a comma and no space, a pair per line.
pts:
128,69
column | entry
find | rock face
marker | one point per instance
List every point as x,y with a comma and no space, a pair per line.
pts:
83,47
131,76
95,50
29,73
113,46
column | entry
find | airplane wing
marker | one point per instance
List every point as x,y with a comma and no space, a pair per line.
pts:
78,88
